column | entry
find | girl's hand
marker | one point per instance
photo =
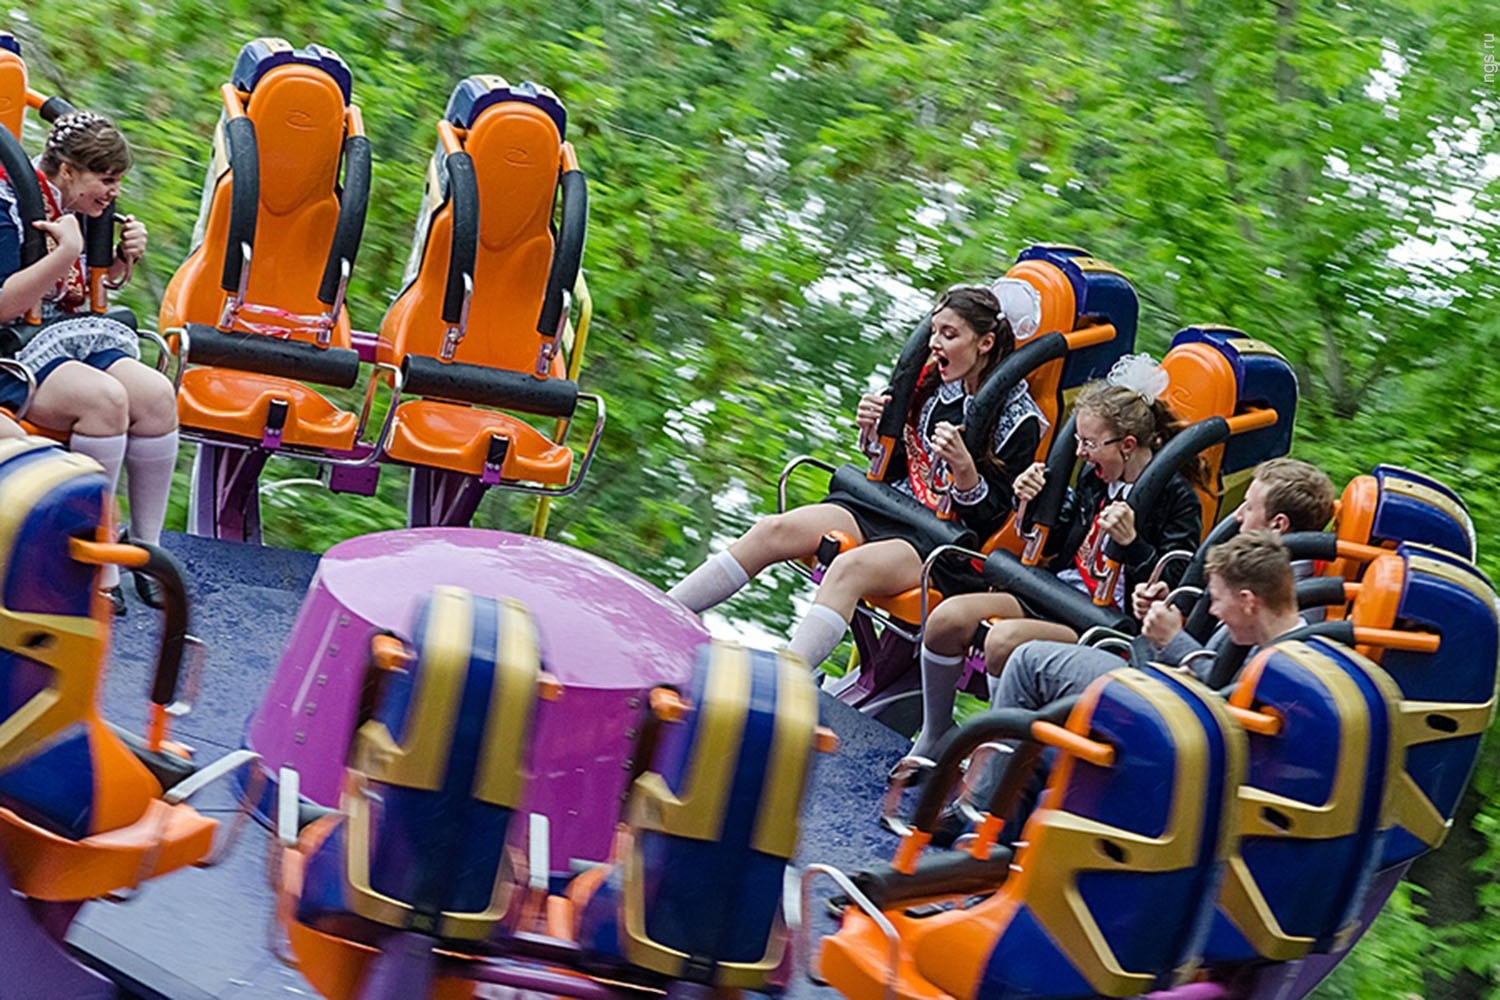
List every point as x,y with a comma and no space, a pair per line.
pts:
132,245
64,233
948,445
867,414
1029,483
1119,521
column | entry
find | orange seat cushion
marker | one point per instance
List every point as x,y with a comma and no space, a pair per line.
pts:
238,404
46,866
456,437
907,605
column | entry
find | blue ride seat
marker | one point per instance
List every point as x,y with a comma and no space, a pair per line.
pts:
1393,505
436,774
1114,877
1313,804
80,815
1448,694
695,891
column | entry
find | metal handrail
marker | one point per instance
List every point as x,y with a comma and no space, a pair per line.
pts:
927,565
786,473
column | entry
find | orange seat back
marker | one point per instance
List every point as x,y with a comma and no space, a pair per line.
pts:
518,152
299,113
12,84
1201,385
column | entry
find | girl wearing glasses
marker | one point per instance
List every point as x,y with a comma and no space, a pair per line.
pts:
1120,426
90,385
971,335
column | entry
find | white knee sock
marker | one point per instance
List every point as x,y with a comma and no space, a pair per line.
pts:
716,580
939,688
149,462
818,635
110,453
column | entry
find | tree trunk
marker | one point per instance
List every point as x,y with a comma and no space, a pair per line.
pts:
1448,876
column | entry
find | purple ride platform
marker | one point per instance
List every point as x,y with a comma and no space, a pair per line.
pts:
203,934
607,635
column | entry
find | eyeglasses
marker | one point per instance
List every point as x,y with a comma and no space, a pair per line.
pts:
1084,444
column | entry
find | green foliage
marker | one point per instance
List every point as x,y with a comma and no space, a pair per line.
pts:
768,179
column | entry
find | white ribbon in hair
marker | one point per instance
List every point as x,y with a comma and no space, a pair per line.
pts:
1141,374
1021,304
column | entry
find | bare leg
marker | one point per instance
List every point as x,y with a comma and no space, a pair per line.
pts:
876,568
771,539
879,569
81,400
951,625
778,537
152,403
1005,636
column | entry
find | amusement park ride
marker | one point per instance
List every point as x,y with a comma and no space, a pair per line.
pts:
486,760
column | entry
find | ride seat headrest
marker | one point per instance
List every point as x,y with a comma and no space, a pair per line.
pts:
476,93
12,84
1202,383
299,126
261,55
516,150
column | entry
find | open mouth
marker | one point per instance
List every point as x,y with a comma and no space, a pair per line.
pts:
942,363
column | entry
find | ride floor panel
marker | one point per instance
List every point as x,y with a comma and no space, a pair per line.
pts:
206,933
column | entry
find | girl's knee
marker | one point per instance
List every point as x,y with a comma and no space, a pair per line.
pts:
998,645
949,628
152,402
98,406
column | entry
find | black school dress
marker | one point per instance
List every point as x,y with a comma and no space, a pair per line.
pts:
1018,433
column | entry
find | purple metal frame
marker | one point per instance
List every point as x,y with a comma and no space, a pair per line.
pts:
888,683
441,498
606,634
224,501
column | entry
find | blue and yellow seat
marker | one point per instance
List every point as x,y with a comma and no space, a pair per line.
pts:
1113,881
1447,683
1314,804
482,323
80,815
436,775
695,891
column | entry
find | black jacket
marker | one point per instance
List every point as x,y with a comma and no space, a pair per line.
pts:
1176,522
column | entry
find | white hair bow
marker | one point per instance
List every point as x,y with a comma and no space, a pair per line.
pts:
1141,374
